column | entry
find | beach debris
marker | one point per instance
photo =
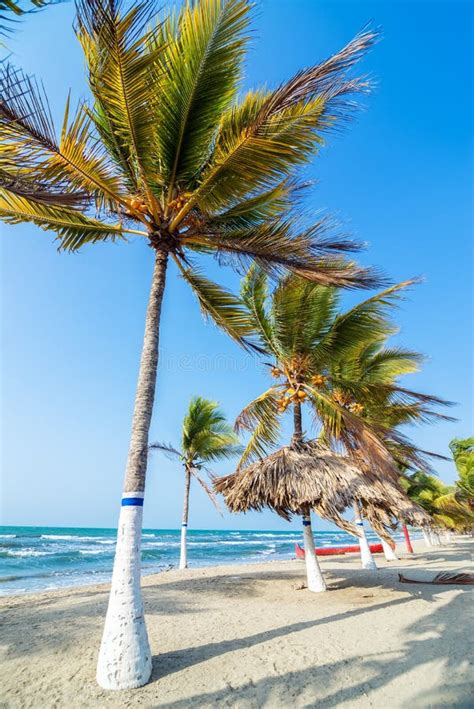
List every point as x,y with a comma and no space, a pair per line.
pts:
443,578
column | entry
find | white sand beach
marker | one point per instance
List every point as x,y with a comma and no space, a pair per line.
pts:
246,636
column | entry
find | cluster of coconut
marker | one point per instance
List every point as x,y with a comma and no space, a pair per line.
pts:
345,401
291,395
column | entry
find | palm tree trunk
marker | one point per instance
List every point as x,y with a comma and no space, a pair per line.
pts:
183,558
125,656
368,561
426,537
388,551
314,574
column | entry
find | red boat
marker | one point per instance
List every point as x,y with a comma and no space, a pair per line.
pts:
333,551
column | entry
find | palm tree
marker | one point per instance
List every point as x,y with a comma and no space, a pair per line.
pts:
301,330
206,437
375,368
463,454
441,502
169,151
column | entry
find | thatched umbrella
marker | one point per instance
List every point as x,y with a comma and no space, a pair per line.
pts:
307,475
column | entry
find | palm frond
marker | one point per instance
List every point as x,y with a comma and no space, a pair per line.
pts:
76,163
166,448
276,247
261,140
367,321
73,228
220,305
202,62
209,492
261,417
121,68
254,292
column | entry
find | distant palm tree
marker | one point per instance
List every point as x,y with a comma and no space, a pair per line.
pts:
441,503
463,454
170,151
320,356
206,437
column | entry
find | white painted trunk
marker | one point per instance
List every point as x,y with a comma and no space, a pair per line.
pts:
426,537
366,557
434,537
388,551
125,656
447,536
183,557
316,582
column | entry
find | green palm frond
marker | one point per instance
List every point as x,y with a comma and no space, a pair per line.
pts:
302,313
202,61
122,75
261,140
367,322
251,211
254,293
72,228
261,418
75,163
219,304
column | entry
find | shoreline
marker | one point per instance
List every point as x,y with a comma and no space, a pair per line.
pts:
245,636
37,559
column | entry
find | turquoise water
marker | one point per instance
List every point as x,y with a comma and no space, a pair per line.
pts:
39,558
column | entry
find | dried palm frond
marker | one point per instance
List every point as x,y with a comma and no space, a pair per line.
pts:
310,475
445,577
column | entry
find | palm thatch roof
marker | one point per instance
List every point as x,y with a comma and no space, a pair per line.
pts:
309,475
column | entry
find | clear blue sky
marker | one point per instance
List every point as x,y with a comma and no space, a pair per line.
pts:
72,324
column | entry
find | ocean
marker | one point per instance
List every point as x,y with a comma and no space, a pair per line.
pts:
43,558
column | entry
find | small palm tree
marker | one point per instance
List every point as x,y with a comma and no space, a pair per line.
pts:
169,151
206,437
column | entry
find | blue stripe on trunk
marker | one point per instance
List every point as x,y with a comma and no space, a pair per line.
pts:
132,501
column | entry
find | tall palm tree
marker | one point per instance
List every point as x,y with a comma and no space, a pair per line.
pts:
206,437
318,357
169,151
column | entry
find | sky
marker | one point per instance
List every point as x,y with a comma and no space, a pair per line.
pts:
400,178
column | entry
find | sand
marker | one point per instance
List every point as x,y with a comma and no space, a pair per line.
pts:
247,636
